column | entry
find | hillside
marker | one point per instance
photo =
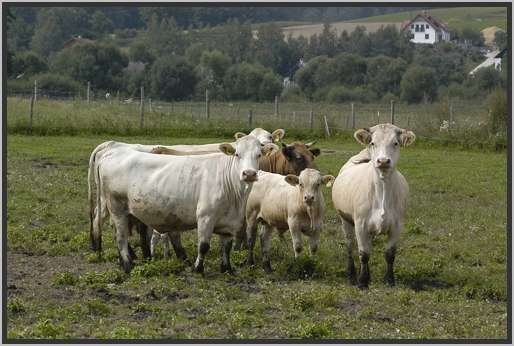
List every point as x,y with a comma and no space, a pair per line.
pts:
456,17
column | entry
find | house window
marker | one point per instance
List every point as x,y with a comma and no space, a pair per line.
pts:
422,28
412,26
417,27
427,36
426,26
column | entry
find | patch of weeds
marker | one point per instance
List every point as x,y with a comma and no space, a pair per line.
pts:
65,279
98,308
94,257
158,268
99,279
15,306
302,301
124,332
489,292
304,267
111,255
416,226
312,330
47,329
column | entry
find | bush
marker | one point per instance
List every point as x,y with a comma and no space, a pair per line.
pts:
499,111
172,78
487,78
53,84
418,84
340,94
292,94
251,82
28,63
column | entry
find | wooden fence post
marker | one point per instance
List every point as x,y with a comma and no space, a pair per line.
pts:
327,130
118,96
142,108
250,118
408,120
35,90
451,116
392,112
207,103
87,92
150,104
276,106
353,116
311,119
31,110
294,117
378,117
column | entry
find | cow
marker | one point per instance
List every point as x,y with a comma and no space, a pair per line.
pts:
156,237
370,196
291,202
262,135
177,193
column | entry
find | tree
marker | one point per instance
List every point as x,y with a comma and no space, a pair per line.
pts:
471,36
349,69
327,41
487,78
97,63
418,84
28,63
385,41
384,74
100,24
140,51
359,42
251,82
500,39
305,77
271,50
172,78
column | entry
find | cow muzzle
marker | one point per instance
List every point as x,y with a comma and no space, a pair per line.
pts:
308,199
383,163
249,175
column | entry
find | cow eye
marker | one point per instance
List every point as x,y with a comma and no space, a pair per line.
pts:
258,156
372,144
301,185
395,144
236,155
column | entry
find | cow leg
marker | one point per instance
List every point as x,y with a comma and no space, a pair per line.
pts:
226,246
175,239
155,239
349,235
265,247
251,235
241,239
296,236
389,255
314,242
121,225
205,229
96,233
364,244
144,236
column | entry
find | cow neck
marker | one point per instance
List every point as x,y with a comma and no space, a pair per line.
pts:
383,189
234,188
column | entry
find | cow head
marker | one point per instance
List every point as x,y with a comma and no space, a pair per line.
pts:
309,182
299,156
246,151
263,136
383,142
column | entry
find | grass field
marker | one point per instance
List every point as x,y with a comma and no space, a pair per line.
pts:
451,266
457,18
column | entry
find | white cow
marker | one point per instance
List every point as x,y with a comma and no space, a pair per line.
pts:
176,193
291,202
370,196
264,137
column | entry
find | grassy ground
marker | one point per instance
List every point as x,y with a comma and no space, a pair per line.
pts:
451,265
457,18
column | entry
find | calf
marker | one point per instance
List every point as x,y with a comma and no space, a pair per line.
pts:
291,202
370,196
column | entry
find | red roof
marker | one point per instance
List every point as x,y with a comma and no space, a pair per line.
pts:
436,23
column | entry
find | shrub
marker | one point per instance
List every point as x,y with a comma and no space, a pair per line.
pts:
292,94
28,63
65,279
487,78
251,82
418,84
172,78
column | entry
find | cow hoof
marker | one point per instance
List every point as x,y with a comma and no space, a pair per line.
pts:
389,281
198,269
362,286
227,269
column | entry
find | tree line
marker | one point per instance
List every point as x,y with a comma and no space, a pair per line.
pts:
236,62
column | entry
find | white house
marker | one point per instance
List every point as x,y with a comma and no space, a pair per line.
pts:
427,29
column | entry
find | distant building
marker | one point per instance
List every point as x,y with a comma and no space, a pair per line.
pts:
492,59
427,29
76,40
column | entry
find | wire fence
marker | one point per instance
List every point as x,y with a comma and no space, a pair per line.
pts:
88,109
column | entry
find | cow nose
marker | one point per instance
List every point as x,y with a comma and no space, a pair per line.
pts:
309,199
249,175
383,162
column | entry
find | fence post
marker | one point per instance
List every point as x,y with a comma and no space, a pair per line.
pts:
118,96
250,118
35,90
207,103
31,110
87,92
451,116
378,117
392,112
408,120
311,119
276,105
327,130
294,117
353,116
150,104
142,108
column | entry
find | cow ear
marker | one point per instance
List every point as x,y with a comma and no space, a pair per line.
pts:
238,135
227,149
407,137
310,144
292,179
277,135
315,151
328,180
363,136
269,148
